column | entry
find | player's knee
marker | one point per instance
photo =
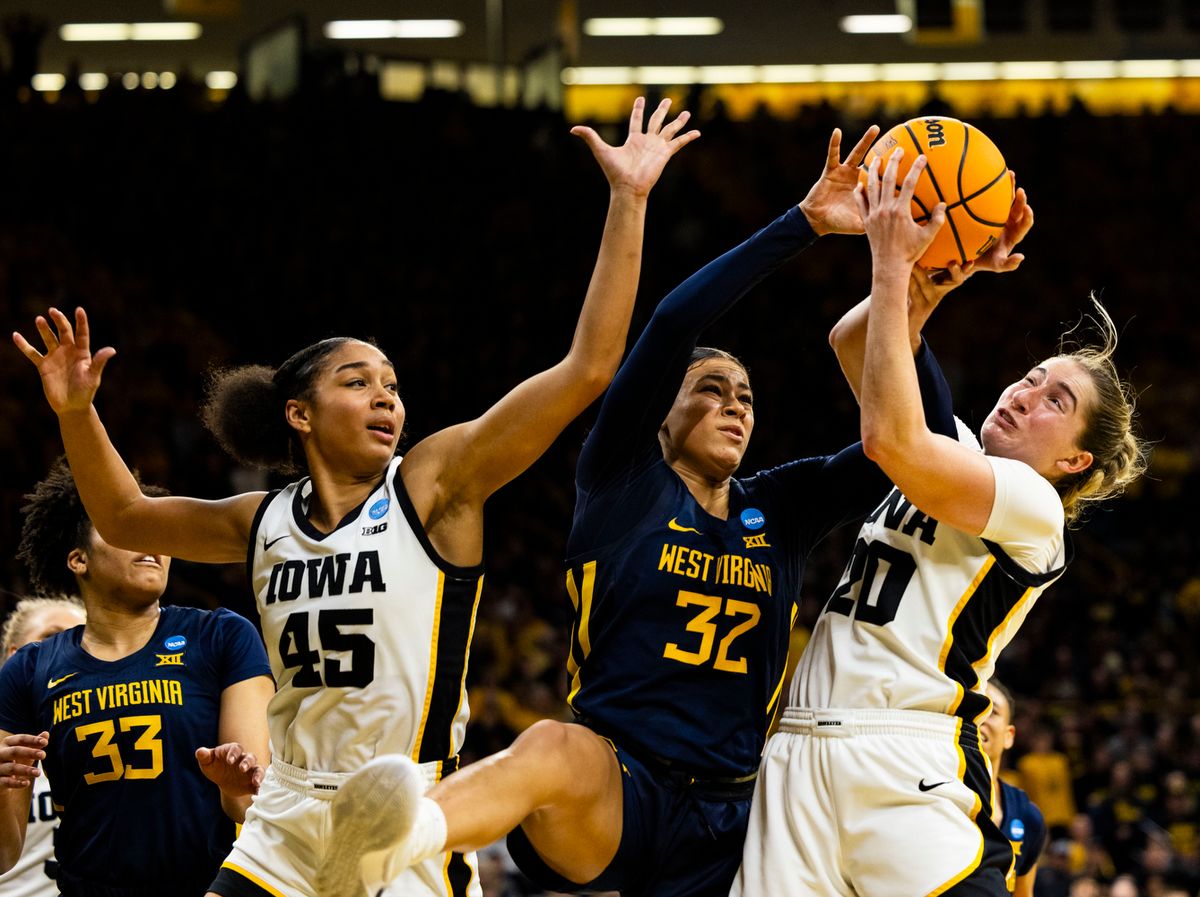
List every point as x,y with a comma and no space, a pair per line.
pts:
546,741
567,758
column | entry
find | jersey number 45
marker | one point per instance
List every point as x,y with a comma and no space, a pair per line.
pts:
314,667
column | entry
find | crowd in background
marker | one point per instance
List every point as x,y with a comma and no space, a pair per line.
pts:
461,239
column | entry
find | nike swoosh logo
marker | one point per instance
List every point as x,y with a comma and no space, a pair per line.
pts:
267,545
60,680
925,787
680,528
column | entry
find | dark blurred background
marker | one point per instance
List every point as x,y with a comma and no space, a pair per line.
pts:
455,220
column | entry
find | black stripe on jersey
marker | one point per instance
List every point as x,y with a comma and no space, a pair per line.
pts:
301,517
252,544
986,609
1028,578
453,642
418,528
458,875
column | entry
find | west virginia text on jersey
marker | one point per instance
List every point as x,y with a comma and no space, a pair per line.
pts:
123,734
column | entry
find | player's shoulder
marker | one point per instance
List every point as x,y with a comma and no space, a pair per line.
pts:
201,622
1017,803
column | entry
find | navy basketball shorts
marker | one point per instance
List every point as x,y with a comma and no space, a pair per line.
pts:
874,803
681,837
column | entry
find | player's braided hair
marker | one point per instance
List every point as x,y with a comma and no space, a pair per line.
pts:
244,409
17,622
55,524
1118,453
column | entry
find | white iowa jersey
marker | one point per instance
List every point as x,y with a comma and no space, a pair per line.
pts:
367,629
923,609
29,878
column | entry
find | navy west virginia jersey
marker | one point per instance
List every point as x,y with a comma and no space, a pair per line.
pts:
682,620
1023,825
138,815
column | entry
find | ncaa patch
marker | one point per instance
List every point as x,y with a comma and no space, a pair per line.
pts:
174,643
378,509
1018,829
753,518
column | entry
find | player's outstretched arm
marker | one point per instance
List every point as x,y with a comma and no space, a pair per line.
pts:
471,461
207,531
18,756
237,765
940,476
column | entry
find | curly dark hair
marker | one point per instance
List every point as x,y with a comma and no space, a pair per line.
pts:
55,524
244,407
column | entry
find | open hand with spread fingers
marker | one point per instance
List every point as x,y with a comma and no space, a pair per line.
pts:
636,164
70,372
897,241
829,206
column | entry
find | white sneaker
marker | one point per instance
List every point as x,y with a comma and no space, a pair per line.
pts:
373,810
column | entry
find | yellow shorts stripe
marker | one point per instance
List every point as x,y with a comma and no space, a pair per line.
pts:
273,891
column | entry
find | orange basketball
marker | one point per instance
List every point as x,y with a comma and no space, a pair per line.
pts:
965,171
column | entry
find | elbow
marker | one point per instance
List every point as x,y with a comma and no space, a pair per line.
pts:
880,443
837,336
595,379
873,443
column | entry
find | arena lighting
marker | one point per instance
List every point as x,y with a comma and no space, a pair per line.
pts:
663,26
910,71
892,24
970,71
667,74
48,81
1149,68
1099,69
612,74
787,74
220,80
130,80
150,80
1029,71
850,73
166,80
122,31
728,74
93,81
366,29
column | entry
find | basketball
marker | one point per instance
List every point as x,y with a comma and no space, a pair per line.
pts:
966,171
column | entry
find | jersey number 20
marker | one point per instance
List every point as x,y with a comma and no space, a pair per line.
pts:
295,649
860,577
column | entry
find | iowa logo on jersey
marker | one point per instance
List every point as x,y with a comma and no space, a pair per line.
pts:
170,660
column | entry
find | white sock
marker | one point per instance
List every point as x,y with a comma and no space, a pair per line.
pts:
428,836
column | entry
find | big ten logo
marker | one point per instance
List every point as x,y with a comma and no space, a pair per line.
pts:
935,131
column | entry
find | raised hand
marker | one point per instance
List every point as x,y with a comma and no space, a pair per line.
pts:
897,241
231,768
18,754
636,165
70,372
829,206
1000,258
